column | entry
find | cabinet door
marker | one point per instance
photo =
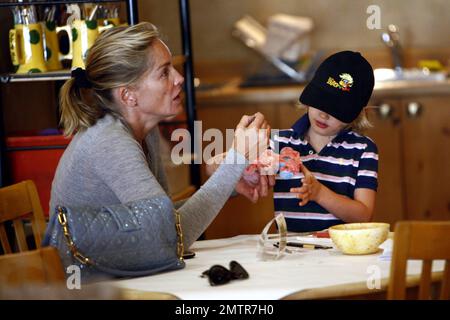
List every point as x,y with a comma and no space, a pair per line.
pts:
427,157
386,132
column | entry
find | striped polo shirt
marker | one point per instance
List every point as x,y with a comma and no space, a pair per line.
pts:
348,162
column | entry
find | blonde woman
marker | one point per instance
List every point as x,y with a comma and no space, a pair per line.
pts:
338,178
113,109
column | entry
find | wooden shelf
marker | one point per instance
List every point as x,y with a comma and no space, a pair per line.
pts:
60,74
15,4
27,77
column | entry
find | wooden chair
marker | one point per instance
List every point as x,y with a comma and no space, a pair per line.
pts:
39,274
130,294
38,267
426,241
17,202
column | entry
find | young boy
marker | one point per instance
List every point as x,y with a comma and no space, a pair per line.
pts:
338,178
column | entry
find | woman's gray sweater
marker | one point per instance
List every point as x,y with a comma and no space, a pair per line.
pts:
105,165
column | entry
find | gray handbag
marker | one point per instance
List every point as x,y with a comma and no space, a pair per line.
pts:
140,238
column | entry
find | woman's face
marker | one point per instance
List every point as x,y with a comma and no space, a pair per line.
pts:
158,92
323,124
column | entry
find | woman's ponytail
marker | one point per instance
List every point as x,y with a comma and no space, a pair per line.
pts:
77,112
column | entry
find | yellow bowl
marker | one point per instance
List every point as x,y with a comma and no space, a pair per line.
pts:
359,238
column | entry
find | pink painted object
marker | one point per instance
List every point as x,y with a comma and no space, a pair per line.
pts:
287,163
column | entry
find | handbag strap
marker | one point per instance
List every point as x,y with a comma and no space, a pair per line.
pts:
180,244
63,221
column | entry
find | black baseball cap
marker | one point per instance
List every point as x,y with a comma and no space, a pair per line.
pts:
341,86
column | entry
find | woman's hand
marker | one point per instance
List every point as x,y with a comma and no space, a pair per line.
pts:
310,189
251,191
252,136
251,139
254,192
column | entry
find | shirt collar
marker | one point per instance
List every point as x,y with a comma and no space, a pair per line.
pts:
302,125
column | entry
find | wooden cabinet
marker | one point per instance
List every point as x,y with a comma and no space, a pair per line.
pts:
387,134
413,137
414,165
426,147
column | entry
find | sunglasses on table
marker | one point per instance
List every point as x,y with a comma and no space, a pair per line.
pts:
219,275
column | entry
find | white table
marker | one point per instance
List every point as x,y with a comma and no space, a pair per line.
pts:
306,271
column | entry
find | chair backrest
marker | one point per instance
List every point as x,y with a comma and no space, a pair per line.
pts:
419,240
39,274
17,202
36,267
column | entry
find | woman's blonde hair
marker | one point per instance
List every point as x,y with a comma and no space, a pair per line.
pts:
359,125
119,57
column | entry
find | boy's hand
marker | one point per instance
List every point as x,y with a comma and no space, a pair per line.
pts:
310,189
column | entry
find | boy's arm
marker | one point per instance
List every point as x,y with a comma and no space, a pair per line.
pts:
358,210
349,210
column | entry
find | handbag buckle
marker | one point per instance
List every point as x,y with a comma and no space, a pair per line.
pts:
77,255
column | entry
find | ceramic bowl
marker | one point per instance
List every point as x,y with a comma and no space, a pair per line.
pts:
359,238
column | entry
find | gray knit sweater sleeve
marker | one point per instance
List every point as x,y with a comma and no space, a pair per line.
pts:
105,165
132,180
201,209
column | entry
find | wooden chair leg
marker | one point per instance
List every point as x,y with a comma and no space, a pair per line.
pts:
445,289
425,281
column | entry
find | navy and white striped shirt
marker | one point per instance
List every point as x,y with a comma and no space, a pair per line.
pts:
348,162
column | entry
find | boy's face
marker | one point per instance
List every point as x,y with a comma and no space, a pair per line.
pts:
323,124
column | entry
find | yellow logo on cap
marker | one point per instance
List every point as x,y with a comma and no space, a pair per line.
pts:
344,84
